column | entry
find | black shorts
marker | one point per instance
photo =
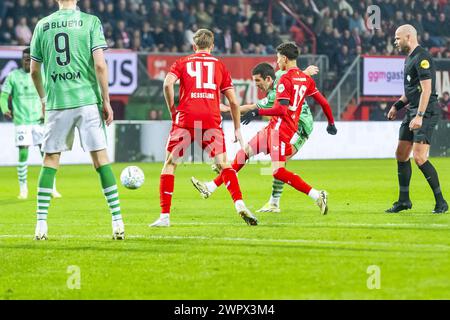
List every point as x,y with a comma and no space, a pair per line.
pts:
424,133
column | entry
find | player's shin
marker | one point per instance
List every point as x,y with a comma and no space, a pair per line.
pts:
166,187
404,177
237,164
109,186
45,188
230,180
22,172
292,179
277,190
431,175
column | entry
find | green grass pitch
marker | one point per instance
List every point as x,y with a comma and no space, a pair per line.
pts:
210,253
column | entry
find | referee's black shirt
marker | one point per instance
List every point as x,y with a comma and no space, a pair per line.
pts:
419,65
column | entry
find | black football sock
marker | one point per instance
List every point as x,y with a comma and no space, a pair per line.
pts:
404,177
431,175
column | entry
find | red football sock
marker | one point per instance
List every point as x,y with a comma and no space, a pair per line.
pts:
230,179
166,186
292,179
237,164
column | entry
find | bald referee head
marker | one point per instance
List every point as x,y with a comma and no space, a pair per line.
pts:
406,38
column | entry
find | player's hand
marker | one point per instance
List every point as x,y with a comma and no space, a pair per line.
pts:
249,116
415,123
238,137
7,115
108,113
331,129
311,70
224,108
392,114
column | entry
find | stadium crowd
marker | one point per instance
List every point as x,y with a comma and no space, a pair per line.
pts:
243,26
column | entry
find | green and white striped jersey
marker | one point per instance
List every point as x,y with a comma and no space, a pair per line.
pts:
63,42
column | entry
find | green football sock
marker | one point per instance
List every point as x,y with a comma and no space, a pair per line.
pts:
22,168
45,188
110,190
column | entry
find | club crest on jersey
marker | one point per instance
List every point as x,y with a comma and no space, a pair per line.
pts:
425,64
280,87
264,101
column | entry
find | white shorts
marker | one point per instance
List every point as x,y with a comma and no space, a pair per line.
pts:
60,129
29,135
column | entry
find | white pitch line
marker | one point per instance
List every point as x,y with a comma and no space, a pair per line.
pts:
299,224
367,245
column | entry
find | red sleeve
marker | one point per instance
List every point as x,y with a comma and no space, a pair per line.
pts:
175,69
227,83
325,106
312,89
277,110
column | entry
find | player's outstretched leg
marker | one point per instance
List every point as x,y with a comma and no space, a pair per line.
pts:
404,177
273,205
45,188
109,186
320,197
206,189
230,180
431,175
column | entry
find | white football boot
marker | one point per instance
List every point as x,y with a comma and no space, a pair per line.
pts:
245,213
270,207
161,222
41,232
201,188
118,230
322,202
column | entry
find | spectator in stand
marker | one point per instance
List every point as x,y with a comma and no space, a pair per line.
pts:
225,41
180,13
180,40
272,39
444,104
325,42
122,35
169,42
189,34
357,22
156,14
255,36
240,35
204,20
19,9
344,60
148,42
235,16
379,40
345,6
237,48
222,17
109,35
136,42
258,18
8,32
426,41
109,15
349,41
23,32
159,35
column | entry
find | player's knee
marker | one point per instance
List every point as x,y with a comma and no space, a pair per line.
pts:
420,159
401,155
277,173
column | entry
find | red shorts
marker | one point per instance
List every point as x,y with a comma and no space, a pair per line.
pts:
212,140
268,141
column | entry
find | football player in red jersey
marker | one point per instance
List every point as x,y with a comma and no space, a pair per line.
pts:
275,139
197,117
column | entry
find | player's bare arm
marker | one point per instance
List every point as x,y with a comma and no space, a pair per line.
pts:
101,71
416,123
235,115
4,105
311,70
36,75
392,114
244,108
169,92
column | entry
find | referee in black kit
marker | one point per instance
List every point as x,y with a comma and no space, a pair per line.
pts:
421,117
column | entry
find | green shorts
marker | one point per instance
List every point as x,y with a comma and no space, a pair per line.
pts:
305,127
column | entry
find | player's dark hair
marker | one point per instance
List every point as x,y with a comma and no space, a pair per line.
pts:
264,70
26,51
289,49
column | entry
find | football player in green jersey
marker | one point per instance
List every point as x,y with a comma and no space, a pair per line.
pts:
69,45
266,80
27,117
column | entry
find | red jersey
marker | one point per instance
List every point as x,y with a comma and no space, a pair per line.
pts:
294,86
202,79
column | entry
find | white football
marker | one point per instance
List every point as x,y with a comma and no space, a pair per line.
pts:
132,177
